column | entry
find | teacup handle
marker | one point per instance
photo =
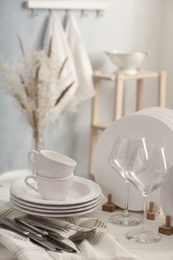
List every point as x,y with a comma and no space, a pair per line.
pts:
29,184
31,158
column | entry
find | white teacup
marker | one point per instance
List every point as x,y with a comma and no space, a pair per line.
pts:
51,164
50,188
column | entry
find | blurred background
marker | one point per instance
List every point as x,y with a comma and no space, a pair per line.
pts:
128,25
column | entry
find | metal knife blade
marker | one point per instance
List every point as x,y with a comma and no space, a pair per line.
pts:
65,243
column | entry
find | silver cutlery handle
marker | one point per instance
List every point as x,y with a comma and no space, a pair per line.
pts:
49,240
36,229
13,227
18,224
39,240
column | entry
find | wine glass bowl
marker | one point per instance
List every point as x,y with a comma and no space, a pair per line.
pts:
147,170
118,158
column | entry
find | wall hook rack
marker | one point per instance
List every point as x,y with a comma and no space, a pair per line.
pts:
95,6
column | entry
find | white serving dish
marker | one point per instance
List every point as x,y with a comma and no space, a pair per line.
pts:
127,62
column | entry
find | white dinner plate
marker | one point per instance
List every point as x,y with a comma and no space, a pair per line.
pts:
160,114
83,190
58,211
57,215
60,208
155,130
161,110
166,197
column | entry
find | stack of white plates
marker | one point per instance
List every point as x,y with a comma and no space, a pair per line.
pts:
84,197
154,123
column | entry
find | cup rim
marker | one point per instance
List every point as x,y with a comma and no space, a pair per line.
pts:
56,179
72,162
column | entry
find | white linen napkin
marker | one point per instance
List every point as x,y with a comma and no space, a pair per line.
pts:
99,246
82,63
60,50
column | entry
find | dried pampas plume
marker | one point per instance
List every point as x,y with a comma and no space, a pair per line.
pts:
37,85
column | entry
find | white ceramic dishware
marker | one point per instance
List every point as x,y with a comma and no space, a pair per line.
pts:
128,62
55,209
82,191
51,164
166,195
63,214
85,196
50,188
155,130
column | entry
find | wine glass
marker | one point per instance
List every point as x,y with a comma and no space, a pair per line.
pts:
118,158
147,169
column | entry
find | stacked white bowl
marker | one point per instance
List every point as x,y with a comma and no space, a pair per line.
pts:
156,124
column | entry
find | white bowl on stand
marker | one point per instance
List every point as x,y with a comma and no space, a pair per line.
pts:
127,62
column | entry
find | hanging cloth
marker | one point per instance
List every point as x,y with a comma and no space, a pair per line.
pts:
63,61
82,63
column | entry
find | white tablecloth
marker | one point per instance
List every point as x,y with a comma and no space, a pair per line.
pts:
162,250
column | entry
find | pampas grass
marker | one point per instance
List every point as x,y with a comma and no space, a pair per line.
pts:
37,85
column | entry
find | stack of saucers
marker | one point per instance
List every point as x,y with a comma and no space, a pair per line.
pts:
154,123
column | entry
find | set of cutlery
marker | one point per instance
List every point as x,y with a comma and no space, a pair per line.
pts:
46,234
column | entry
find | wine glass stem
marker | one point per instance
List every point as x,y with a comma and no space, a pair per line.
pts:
145,211
126,212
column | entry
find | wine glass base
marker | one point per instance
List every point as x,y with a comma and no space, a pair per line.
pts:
120,219
143,236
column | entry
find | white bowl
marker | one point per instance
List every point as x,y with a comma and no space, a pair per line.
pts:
128,62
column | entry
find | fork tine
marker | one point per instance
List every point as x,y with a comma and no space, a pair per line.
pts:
80,235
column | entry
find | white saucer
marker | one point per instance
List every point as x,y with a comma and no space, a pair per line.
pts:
83,190
155,130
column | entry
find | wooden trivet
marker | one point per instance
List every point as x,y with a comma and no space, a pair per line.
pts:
109,205
166,229
154,211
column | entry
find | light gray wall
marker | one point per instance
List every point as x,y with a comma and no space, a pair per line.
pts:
129,24
167,48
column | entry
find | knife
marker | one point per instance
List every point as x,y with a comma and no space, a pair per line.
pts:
39,240
31,227
44,222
